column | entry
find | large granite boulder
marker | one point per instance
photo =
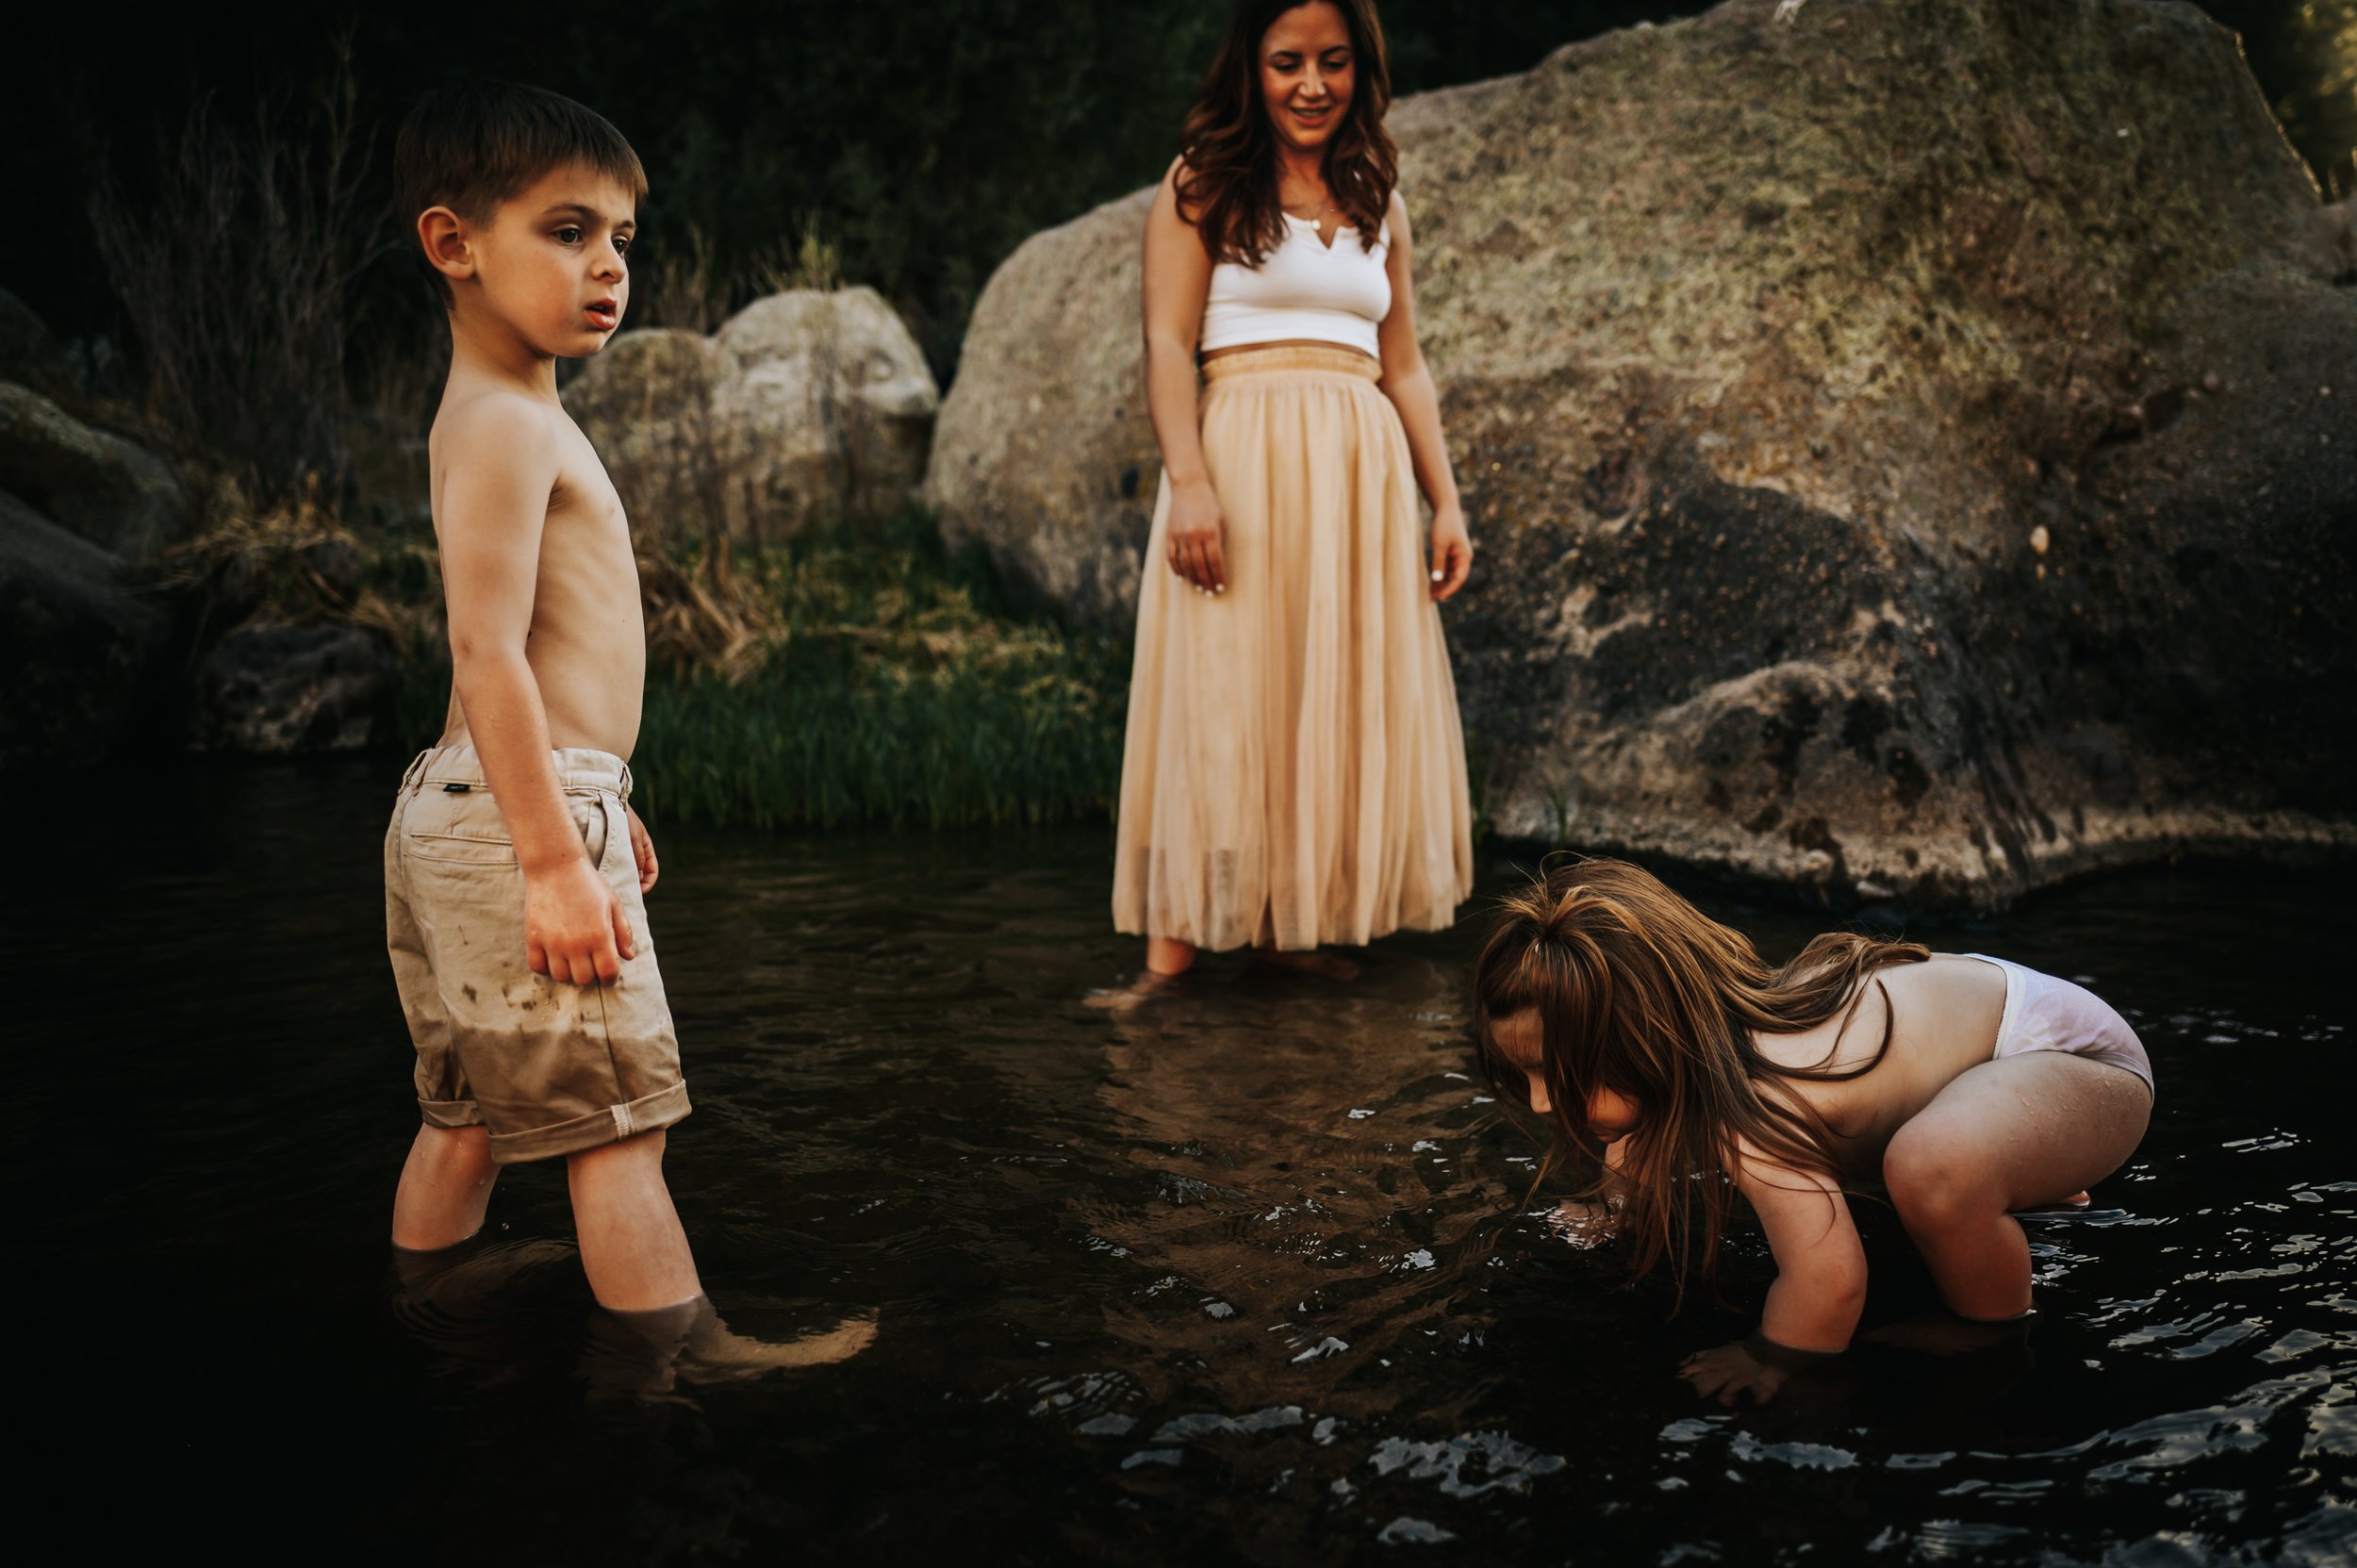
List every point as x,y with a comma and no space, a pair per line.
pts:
1909,442
81,652
271,689
806,405
116,495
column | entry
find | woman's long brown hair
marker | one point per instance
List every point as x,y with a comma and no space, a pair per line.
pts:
1639,992
1227,182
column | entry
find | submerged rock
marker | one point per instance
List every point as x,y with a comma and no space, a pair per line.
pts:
80,652
114,493
1908,443
805,406
275,691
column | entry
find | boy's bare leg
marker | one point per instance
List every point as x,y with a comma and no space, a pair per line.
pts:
2009,1134
632,1245
445,1187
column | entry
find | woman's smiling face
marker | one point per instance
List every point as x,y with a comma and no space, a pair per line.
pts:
1308,71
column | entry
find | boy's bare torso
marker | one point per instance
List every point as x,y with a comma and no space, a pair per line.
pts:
1947,1013
588,646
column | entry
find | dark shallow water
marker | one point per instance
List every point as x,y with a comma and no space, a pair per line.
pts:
1242,1279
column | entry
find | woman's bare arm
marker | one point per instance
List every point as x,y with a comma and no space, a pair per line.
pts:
1408,382
1178,276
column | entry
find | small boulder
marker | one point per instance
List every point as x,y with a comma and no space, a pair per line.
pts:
806,405
118,495
277,690
80,654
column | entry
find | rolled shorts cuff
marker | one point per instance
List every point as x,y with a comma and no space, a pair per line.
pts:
647,1113
450,1113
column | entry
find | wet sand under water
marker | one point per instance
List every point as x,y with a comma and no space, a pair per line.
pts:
1241,1277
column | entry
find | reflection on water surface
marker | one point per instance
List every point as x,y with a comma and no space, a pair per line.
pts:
1240,1275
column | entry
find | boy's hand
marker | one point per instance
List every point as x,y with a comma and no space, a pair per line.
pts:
575,927
642,851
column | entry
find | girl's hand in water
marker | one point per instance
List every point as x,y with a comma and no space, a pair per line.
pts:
1585,1224
1756,1366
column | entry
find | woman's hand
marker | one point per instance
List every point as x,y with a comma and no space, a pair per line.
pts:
1194,533
1452,553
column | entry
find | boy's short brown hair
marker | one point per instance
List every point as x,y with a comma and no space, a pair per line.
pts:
470,148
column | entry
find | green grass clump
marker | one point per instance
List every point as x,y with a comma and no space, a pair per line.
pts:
826,736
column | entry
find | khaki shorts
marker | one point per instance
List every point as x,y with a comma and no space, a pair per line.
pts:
550,1068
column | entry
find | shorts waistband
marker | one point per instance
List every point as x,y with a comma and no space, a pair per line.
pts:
1294,359
577,768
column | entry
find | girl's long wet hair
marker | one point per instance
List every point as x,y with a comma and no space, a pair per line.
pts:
1226,184
1639,992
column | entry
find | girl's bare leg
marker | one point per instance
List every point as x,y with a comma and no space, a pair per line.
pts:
2010,1134
1168,957
445,1186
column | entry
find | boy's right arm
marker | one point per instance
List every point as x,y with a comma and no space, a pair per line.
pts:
499,471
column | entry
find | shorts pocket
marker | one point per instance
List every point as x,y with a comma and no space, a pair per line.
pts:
465,828
468,830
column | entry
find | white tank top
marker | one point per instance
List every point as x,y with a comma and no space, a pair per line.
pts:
1305,290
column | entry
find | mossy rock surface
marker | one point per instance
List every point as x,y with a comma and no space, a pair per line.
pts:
1907,441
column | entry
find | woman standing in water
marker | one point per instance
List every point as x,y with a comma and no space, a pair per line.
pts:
1295,773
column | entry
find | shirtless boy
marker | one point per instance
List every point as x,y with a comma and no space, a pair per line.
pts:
515,870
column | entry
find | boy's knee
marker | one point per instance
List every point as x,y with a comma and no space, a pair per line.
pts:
455,1145
633,1149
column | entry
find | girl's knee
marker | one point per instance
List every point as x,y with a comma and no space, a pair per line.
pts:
1940,1182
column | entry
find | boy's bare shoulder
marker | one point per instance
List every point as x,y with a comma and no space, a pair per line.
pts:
495,426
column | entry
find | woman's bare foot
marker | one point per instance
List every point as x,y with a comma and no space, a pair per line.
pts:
1312,961
1149,985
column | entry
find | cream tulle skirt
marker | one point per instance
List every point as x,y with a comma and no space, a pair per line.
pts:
1295,769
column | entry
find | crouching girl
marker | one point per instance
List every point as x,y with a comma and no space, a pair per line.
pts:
1682,1073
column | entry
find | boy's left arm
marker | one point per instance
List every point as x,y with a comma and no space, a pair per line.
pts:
1813,1307
642,852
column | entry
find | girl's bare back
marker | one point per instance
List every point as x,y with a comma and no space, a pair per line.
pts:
1943,1016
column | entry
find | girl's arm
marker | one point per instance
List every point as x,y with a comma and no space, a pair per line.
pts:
1409,384
1178,276
1813,1307
1821,1265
